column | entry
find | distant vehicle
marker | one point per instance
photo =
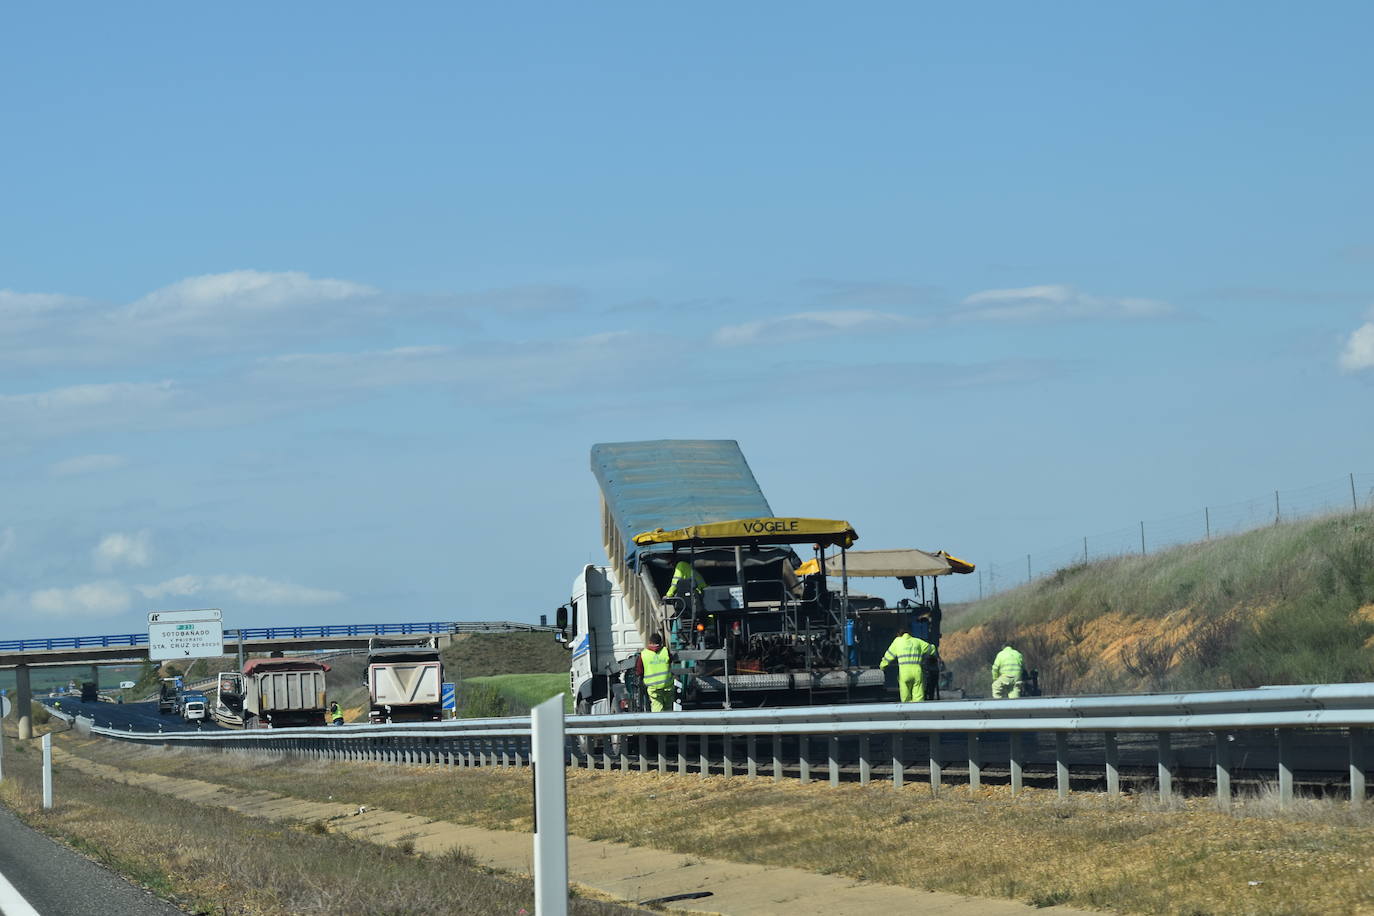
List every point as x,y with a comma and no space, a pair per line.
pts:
404,680
167,696
90,693
272,693
193,705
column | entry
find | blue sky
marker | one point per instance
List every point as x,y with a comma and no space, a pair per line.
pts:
313,314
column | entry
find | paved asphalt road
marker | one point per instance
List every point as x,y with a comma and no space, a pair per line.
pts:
143,717
58,882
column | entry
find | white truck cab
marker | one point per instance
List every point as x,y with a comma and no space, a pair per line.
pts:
604,640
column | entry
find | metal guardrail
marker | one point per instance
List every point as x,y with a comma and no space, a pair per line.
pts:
441,628
1290,712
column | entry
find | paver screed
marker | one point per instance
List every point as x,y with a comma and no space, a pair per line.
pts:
628,873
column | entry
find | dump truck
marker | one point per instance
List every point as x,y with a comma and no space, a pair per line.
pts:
405,679
167,696
90,693
764,628
272,693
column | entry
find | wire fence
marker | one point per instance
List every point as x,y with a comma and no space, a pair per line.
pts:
1353,493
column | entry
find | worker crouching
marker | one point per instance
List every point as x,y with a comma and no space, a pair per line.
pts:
909,652
1008,669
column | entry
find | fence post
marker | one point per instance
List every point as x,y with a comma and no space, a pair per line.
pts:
1357,767
1223,754
1061,763
47,770
1207,520
1142,539
1354,503
865,760
975,763
1285,767
1113,764
834,760
550,809
1014,740
1166,767
936,771
898,739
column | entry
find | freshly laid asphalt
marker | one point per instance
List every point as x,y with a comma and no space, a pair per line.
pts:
55,881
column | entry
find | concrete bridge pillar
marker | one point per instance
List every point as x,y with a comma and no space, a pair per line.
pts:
95,676
23,702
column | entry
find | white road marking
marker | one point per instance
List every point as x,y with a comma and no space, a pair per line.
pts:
12,903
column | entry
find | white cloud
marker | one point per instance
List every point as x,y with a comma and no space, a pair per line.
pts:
1359,349
80,408
120,549
87,464
803,325
238,295
247,589
94,599
1055,302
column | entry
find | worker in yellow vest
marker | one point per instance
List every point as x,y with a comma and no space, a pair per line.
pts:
685,576
654,668
909,651
1007,670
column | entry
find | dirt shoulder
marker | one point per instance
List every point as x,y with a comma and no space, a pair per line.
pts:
1092,852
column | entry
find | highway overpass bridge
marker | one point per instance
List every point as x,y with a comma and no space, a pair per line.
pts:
122,648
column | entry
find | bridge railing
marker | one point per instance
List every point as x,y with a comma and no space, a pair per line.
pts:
1281,727
439,628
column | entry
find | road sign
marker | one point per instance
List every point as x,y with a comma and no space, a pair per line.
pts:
185,634
449,696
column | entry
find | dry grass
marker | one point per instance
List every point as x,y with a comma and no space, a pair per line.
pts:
1126,855
223,863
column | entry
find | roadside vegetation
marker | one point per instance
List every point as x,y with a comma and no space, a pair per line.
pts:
223,863
1290,604
1128,855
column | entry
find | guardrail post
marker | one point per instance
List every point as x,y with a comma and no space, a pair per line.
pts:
751,748
1061,763
1357,766
662,753
682,755
624,753
550,809
1014,761
1223,756
1113,754
865,761
1285,767
704,768
1166,767
898,739
777,758
936,770
47,770
643,753
803,758
727,761
975,763
834,760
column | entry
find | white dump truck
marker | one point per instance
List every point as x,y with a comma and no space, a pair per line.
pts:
759,627
405,680
272,693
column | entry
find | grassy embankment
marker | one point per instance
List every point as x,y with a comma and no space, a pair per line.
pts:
224,863
1127,855
1289,604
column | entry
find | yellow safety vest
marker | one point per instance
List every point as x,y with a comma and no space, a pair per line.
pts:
907,650
684,570
1008,663
656,673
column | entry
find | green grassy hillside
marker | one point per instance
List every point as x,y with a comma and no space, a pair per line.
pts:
1289,604
487,654
518,692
